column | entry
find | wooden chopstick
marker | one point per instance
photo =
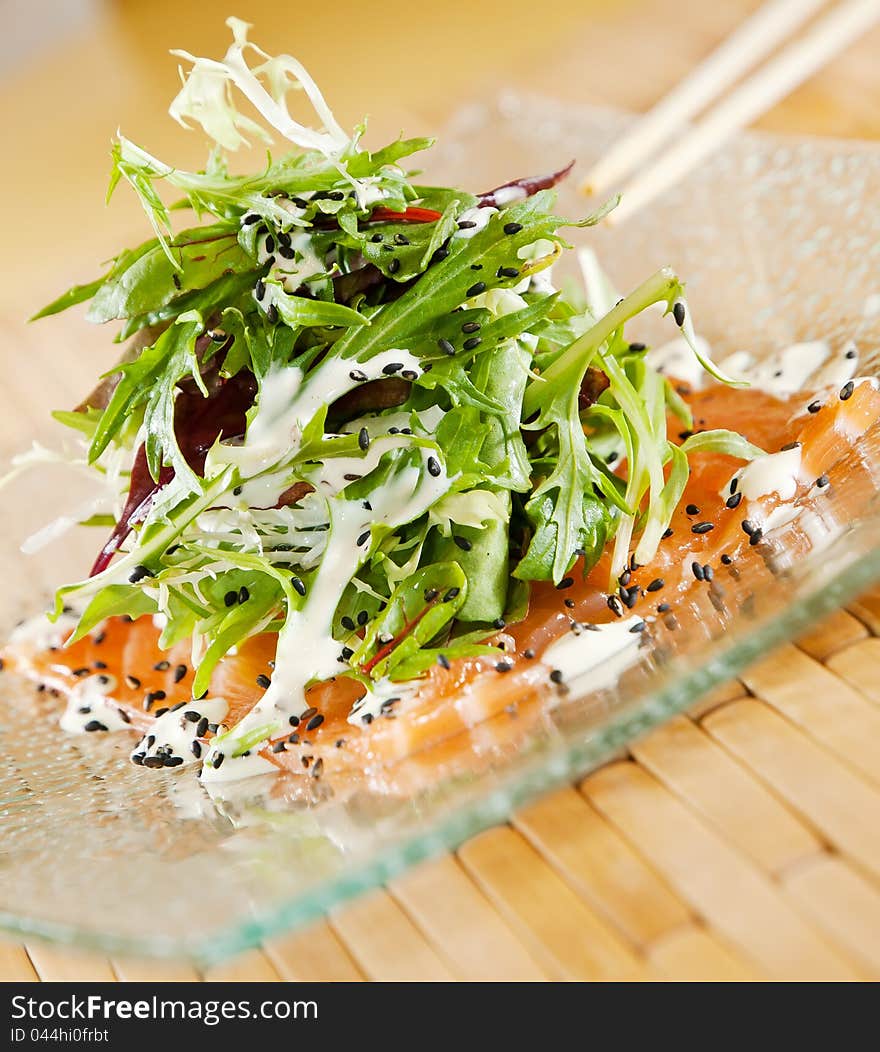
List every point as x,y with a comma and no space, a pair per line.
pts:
743,49
794,64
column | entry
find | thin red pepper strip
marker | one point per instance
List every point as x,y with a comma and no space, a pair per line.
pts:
412,214
385,650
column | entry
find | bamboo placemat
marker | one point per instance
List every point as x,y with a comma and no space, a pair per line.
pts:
739,842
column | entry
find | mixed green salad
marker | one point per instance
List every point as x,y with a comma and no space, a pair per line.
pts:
353,410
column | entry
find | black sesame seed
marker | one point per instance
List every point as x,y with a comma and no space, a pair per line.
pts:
556,676
667,534
462,543
507,272
279,747
678,313
756,537
272,314
243,594
392,367
364,439
260,288
472,342
851,353
499,623
441,253
132,682
639,626
466,224
162,666
430,594
512,228
137,758
94,725
433,466
847,390
662,608
218,759
179,673
347,624
733,500
363,617
789,446
153,761
401,239
476,289
748,527
726,559
293,738
443,661
702,527
569,603
394,266
655,585
503,666
566,582
698,571
528,653
231,598
637,348
347,652
471,326
814,407
822,481
155,695
315,722
476,266
364,537
139,573
692,509
173,761
451,594
250,219
298,586
263,681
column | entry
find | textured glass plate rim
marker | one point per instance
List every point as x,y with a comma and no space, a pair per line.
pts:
563,764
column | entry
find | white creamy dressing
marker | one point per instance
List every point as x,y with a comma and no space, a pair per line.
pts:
173,731
40,633
777,473
595,659
291,272
379,700
478,216
677,359
89,700
306,650
288,402
506,195
787,371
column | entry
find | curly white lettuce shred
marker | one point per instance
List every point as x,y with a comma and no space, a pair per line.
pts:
356,413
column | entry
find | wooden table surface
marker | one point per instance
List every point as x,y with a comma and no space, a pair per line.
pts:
739,843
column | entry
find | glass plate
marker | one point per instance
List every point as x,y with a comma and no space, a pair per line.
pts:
779,241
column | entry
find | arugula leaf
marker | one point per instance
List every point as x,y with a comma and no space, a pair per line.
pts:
419,609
